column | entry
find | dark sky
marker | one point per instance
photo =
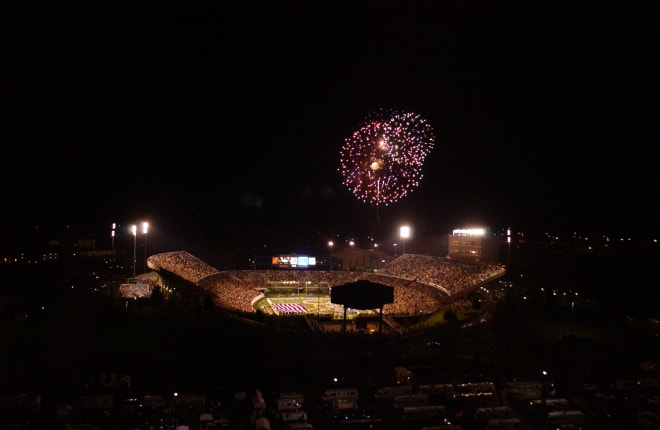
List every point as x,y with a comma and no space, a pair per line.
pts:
228,120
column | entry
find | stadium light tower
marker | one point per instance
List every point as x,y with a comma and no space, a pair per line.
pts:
134,231
404,232
145,228
331,244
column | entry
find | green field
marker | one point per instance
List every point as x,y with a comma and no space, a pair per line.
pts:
316,304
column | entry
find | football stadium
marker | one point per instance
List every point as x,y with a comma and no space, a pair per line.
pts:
410,285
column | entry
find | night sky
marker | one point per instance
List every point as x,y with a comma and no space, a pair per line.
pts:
227,121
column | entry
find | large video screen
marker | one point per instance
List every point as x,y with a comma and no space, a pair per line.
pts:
293,261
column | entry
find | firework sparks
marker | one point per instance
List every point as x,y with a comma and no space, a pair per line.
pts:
382,161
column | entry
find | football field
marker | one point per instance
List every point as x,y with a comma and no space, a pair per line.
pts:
316,304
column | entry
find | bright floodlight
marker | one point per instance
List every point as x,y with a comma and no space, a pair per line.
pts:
134,231
145,228
404,232
469,232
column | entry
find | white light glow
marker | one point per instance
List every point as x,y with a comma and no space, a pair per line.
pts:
469,232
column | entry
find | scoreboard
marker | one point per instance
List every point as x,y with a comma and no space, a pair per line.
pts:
293,261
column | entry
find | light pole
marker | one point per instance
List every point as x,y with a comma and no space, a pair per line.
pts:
112,259
134,231
508,253
352,261
404,233
145,228
394,248
331,244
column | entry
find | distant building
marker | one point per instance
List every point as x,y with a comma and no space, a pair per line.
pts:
474,244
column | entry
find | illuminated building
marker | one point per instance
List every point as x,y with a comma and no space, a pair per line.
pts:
474,244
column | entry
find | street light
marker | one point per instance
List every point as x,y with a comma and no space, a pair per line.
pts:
145,228
134,231
331,244
404,233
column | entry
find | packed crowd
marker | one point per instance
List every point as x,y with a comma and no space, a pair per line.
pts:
183,264
450,276
422,284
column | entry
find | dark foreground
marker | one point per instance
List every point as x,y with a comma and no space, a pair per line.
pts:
61,351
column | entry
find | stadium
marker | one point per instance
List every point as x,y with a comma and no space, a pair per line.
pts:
419,285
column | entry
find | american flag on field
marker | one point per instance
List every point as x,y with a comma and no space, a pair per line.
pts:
290,308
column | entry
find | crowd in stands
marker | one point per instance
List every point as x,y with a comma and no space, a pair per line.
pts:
422,284
184,265
450,276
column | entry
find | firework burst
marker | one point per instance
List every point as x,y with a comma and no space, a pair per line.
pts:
382,161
